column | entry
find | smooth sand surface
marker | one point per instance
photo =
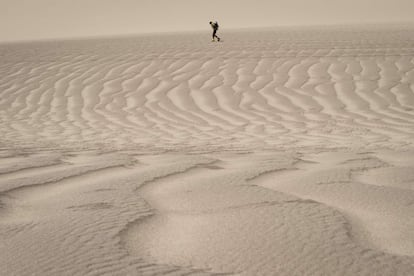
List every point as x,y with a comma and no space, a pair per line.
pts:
274,152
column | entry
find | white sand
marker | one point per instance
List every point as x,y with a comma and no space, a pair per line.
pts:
276,152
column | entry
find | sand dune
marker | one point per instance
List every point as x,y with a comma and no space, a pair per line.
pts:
276,152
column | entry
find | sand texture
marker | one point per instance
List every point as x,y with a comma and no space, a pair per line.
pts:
274,152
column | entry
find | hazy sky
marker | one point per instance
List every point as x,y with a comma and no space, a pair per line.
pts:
39,19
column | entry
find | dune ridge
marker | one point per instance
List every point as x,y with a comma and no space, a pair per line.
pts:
275,152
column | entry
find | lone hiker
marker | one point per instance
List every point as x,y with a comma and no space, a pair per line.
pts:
215,27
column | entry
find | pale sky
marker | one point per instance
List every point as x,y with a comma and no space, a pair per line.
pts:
42,19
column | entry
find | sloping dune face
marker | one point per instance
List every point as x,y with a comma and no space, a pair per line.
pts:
273,152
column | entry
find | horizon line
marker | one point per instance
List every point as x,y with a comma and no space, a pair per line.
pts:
378,25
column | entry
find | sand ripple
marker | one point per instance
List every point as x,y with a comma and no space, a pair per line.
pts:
270,89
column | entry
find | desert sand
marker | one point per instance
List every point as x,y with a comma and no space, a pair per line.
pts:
283,151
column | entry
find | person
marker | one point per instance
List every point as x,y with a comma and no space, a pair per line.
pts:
215,27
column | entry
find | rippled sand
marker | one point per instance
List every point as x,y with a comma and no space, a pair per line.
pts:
275,152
